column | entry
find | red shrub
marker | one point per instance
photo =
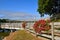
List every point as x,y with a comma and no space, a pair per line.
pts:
41,25
24,25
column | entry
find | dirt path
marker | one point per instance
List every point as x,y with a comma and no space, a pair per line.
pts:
22,35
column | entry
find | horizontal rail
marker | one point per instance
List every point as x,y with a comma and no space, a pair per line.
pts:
56,37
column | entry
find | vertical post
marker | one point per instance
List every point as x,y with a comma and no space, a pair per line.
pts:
52,30
11,30
34,22
28,24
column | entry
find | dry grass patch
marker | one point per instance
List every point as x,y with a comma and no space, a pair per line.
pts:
21,35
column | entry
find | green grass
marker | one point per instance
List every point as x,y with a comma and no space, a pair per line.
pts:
3,34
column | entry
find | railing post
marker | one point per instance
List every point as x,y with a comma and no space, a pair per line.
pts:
52,30
11,31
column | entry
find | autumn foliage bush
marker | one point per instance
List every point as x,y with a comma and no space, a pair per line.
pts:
41,25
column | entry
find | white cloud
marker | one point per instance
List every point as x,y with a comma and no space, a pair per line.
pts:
18,15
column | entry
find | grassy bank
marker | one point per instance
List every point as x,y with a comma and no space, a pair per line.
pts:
3,34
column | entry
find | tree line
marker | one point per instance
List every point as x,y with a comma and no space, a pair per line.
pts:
3,20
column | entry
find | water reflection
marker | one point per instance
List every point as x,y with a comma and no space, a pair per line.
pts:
5,32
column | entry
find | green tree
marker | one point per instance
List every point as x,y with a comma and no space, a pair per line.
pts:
3,20
47,7
50,7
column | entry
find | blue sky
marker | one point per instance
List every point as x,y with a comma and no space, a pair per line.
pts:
19,9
